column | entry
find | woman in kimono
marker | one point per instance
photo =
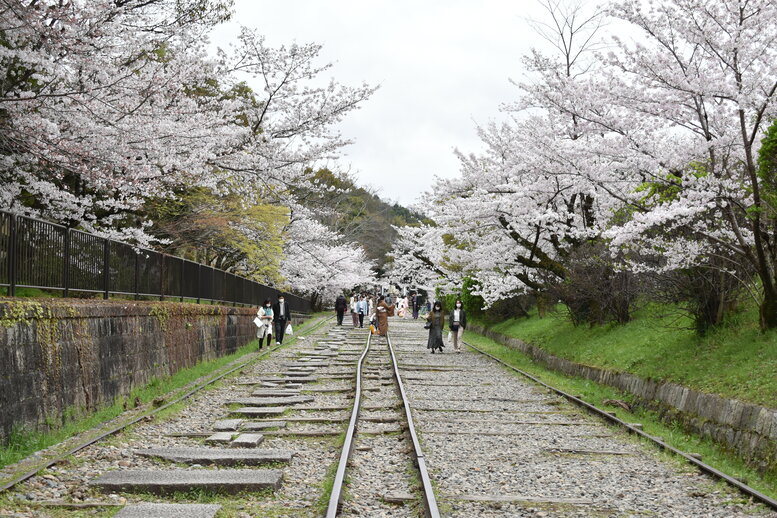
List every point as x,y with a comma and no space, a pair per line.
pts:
382,311
436,318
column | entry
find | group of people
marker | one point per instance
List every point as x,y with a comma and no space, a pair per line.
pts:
274,319
364,305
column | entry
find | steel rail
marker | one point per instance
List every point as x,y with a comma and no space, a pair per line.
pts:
139,418
336,495
744,488
429,499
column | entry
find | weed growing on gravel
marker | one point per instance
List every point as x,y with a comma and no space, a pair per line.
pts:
595,393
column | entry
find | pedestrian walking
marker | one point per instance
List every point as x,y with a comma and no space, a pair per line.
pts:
435,321
415,304
354,315
401,308
362,308
340,306
265,315
457,324
281,315
382,311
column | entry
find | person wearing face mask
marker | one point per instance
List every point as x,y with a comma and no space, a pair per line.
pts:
435,321
282,314
265,314
457,323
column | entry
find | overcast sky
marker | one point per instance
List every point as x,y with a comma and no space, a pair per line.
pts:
442,67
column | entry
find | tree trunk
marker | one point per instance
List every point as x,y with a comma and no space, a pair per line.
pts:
769,311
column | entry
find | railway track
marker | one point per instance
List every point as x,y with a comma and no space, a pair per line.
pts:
379,354
343,409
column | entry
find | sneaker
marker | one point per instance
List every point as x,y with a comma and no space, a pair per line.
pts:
277,343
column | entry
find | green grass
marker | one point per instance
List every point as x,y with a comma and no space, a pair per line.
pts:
22,443
595,393
735,360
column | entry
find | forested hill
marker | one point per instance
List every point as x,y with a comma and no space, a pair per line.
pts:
360,214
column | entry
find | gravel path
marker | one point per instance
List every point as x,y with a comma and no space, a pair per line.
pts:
496,445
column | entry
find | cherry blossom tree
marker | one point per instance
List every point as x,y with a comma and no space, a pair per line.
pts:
106,103
320,263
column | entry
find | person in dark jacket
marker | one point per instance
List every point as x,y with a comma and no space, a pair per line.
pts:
415,305
436,318
281,316
340,306
457,323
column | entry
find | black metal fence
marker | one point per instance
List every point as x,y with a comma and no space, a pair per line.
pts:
39,254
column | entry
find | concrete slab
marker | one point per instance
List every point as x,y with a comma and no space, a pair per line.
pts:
265,392
220,438
256,426
247,440
161,482
149,510
218,456
270,401
259,411
225,425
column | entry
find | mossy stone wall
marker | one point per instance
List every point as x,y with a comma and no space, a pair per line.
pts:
62,356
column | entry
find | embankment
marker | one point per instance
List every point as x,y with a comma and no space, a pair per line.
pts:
63,356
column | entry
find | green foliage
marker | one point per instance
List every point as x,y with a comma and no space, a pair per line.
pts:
767,167
358,213
669,188
222,230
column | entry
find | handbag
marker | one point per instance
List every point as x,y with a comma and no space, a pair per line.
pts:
428,325
289,330
259,322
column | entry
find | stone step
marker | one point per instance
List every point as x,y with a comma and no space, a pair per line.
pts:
161,482
220,438
255,426
227,425
289,381
218,456
271,392
247,440
270,401
259,411
149,510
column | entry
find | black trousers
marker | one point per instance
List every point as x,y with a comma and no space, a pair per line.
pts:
361,319
340,313
280,329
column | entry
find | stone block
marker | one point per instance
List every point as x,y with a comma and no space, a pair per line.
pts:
220,438
218,456
247,440
164,482
149,510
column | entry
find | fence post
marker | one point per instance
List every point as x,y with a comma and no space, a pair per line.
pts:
137,274
107,268
162,277
199,282
180,285
66,265
12,257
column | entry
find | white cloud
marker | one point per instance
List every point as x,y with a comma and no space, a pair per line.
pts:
441,65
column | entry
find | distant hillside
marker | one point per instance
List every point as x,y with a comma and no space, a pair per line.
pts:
361,215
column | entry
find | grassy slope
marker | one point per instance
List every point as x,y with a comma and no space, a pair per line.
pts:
736,360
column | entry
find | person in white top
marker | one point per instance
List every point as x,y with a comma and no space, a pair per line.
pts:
457,323
354,315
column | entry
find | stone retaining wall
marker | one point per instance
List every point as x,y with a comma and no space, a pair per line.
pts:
64,356
750,430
